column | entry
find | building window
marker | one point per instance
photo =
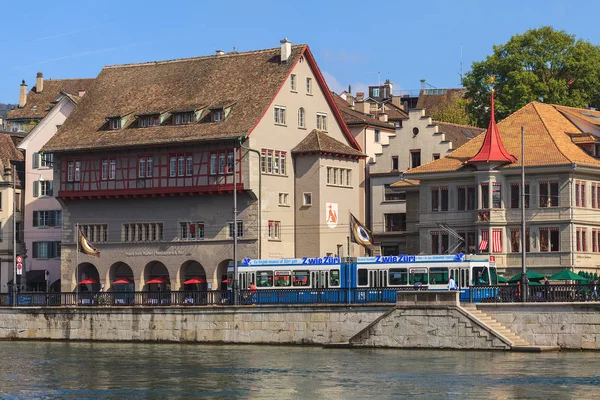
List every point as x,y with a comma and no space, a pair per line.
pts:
469,243
595,240
274,231
113,170
184,118
301,119
395,222
439,199
273,162
339,176
375,92
515,195
515,240
217,115
47,160
47,218
595,195
307,199
466,198
394,163
191,230
95,233
142,167
581,235
279,115
484,243
549,194
189,165
497,240
180,165
439,242
393,194
284,199
104,170
114,123
580,193
147,121
17,201
415,158
377,136
240,229
322,122
45,250
43,188
293,82
549,239
308,85
142,232
436,156
496,195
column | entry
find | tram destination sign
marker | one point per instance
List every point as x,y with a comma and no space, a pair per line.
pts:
405,258
327,260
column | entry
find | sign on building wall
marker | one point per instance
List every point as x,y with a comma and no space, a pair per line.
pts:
331,211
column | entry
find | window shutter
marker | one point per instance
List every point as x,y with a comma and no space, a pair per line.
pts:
59,218
50,188
35,249
36,218
36,189
54,250
51,218
36,160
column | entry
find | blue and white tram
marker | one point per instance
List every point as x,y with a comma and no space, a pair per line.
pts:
321,279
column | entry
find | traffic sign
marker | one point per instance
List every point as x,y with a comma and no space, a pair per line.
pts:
19,269
492,258
47,274
19,259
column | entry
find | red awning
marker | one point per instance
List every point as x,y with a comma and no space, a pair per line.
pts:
159,279
196,279
225,281
483,244
497,241
88,281
122,281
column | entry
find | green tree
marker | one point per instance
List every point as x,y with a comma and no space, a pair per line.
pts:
539,65
456,112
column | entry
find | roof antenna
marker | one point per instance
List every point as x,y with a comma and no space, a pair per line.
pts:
234,49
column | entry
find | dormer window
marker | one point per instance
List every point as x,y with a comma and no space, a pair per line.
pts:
217,115
114,123
147,121
184,118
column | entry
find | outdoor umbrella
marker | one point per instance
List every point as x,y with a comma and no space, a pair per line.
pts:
159,279
196,279
122,281
502,279
531,275
566,275
88,281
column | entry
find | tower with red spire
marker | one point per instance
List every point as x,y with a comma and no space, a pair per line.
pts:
492,152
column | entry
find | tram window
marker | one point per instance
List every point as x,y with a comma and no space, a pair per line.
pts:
438,276
334,277
282,278
300,278
480,276
418,276
264,278
363,277
398,276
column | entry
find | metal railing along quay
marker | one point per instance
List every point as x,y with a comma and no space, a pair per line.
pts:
534,294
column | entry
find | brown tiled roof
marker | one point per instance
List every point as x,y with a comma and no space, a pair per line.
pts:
547,142
432,102
406,183
248,82
458,134
589,116
40,104
354,117
394,112
583,138
320,142
8,153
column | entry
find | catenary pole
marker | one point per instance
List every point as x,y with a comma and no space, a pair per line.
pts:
14,286
235,232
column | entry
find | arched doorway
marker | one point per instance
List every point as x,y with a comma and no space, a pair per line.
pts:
158,284
222,274
88,279
121,277
192,276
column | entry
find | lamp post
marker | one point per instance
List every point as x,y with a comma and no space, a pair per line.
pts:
14,184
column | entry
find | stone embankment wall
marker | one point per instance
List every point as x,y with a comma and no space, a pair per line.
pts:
266,325
568,325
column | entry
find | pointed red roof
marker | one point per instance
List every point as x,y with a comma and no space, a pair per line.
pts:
492,149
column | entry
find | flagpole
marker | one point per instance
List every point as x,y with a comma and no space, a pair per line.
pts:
77,264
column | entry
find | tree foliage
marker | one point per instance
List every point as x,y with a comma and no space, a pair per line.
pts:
539,65
455,113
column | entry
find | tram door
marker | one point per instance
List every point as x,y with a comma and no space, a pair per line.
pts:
377,278
245,279
461,276
319,279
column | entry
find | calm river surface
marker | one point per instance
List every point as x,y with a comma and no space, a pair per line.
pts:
183,371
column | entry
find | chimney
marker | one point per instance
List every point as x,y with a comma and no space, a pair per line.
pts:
219,52
81,92
350,89
406,106
360,96
422,84
286,49
396,101
39,83
350,100
383,117
23,95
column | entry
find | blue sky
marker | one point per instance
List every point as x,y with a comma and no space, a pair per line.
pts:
355,43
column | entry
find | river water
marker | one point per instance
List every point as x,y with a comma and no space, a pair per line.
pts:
83,370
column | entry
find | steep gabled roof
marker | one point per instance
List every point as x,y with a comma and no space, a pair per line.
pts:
434,99
456,133
322,143
547,142
39,104
248,82
9,154
354,117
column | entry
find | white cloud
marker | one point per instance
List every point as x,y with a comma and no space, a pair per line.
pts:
337,87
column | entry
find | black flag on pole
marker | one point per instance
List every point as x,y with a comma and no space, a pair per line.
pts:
360,234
